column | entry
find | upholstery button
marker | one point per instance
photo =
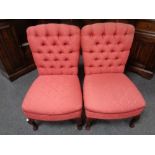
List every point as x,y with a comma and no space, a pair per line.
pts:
103,34
114,34
112,50
70,51
120,64
97,43
60,52
125,33
122,50
90,51
108,42
36,34
45,59
119,42
43,44
47,34
106,58
96,58
91,34
90,65
71,66
102,51
110,65
66,59
65,43
58,34
50,51
61,66
100,65
55,59
70,34
116,57
54,43
51,66
39,51
41,66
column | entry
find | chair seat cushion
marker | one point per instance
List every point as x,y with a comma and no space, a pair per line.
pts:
111,96
53,97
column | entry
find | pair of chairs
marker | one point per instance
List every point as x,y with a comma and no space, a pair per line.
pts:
107,92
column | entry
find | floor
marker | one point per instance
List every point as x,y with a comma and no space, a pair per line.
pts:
12,120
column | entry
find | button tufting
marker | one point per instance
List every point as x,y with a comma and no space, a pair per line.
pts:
70,51
122,50
36,34
71,66
110,65
90,51
39,51
65,43
58,34
91,34
125,33
66,59
103,34
41,66
61,66
50,51
108,42
47,34
43,44
51,66
102,51
116,57
106,58
112,50
120,64
114,33
45,59
100,65
54,43
55,59
96,58
90,65
60,52
70,34
97,43
119,42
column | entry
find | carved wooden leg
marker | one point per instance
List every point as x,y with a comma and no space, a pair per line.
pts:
88,123
33,123
133,120
79,123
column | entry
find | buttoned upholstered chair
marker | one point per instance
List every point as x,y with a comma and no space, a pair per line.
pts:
108,93
55,95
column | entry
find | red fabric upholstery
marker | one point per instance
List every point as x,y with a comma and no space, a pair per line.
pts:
55,48
56,93
106,47
108,93
111,96
53,97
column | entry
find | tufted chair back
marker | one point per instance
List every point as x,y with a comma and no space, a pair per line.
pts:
106,47
55,48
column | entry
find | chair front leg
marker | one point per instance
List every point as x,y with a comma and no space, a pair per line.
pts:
33,123
133,120
88,123
79,123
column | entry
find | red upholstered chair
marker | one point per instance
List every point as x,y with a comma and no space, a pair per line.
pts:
108,92
56,94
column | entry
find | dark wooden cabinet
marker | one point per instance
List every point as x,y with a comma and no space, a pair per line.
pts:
142,56
16,58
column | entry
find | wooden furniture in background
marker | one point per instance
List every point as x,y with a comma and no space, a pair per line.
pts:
142,56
